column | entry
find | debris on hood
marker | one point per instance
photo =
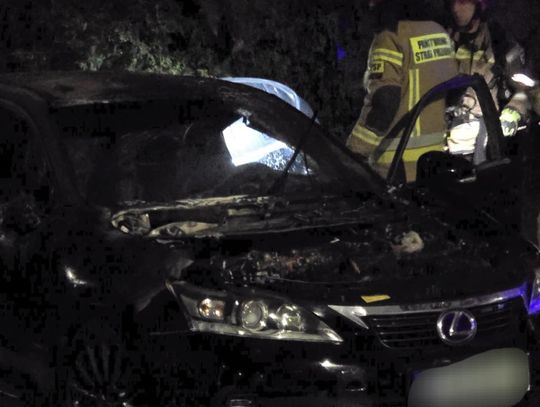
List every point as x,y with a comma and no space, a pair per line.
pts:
280,265
186,228
408,243
132,222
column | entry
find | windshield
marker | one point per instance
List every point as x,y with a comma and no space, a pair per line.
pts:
164,151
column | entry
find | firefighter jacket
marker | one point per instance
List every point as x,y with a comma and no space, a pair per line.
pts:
402,66
493,58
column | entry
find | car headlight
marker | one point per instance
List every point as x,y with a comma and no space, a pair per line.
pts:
534,303
250,314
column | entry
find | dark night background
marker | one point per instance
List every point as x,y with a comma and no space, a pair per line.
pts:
317,47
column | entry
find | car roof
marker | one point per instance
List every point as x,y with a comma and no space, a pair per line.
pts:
278,89
78,87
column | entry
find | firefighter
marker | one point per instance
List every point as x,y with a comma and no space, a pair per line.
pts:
484,48
409,55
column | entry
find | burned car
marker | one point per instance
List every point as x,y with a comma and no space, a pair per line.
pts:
189,241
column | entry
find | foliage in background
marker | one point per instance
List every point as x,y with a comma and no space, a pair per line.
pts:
134,35
294,42
317,47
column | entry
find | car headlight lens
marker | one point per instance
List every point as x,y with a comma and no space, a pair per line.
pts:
253,315
534,304
212,309
250,314
290,318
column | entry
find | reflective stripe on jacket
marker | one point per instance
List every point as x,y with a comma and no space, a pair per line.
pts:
415,58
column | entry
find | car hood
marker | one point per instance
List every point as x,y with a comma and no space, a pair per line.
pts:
388,251
396,262
394,252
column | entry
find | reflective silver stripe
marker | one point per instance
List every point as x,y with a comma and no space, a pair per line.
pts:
356,312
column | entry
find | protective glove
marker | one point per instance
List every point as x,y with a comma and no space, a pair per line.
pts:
509,121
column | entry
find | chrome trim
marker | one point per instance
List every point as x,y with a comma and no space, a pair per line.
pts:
452,334
356,312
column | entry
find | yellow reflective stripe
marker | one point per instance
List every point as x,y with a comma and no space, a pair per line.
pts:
411,89
417,99
410,154
382,54
417,142
387,51
366,135
414,96
379,58
465,54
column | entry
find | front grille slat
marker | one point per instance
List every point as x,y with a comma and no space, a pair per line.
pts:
419,329
405,326
420,338
494,327
406,319
490,321
405,332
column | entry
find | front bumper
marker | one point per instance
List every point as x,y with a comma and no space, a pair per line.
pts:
255,372
495,378
364,370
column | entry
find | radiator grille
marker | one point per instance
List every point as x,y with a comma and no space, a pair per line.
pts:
419,329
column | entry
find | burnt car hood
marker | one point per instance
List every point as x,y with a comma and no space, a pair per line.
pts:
345,264
390,251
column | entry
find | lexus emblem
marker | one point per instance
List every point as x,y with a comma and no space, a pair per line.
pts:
456,327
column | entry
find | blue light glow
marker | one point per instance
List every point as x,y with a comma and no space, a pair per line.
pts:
534,306
340,53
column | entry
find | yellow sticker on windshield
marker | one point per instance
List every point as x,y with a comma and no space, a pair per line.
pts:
375,298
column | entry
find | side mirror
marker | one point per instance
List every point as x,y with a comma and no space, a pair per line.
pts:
436,165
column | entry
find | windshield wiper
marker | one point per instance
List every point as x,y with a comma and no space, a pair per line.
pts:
279,183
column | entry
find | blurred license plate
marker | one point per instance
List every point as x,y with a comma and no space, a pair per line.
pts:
496,378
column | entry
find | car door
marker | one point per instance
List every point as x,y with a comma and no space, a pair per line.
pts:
490,184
